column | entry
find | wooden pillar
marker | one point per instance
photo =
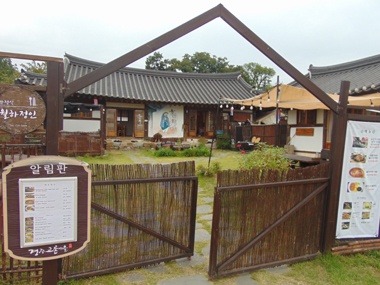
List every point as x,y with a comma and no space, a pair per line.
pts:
52,268
336,157
102,129
53,94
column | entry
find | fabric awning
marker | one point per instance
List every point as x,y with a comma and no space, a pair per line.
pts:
299,98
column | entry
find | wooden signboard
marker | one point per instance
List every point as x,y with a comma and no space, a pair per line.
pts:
47,203
309,132
22,110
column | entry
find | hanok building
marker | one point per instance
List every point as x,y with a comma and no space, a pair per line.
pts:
140,103
364,77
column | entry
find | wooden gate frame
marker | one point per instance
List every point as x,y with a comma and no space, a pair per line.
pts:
215,270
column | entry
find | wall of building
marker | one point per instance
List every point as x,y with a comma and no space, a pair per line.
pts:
312,143
81,125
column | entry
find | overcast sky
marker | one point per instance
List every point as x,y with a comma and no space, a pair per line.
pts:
304,32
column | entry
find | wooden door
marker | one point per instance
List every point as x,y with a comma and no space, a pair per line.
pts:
139,123
111,123
193,123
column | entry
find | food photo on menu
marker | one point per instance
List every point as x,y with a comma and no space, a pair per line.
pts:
360,142
345,225
367,205
29,229
366,215
347,206
358,157
346,216
355,187
29,189
357,172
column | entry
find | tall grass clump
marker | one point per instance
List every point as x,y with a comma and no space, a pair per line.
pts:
265,157
201,150
164,152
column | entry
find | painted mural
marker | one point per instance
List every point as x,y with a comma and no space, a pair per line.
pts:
166,120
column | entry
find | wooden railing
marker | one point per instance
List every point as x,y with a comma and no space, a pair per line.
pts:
14,152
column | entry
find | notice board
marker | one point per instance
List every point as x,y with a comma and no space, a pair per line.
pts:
46,202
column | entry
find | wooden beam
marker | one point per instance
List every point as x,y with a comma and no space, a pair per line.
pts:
142,51
246,33
32,87
30,57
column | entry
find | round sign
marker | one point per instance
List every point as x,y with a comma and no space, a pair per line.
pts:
22,110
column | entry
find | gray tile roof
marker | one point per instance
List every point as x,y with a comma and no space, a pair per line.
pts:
151,85
363,74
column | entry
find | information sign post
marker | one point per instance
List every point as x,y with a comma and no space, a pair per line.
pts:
47,203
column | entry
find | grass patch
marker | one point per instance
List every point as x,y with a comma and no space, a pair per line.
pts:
112,157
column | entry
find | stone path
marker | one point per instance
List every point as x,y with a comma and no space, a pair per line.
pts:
187,280
137,159
201,235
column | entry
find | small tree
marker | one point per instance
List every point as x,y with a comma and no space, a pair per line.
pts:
8,71
35,67
266,157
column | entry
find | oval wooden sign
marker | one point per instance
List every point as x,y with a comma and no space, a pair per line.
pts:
22,110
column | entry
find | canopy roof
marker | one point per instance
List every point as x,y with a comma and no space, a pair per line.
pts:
299,98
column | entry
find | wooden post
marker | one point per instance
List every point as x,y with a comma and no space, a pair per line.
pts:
52,268
54,84
278,91
336,158
102,129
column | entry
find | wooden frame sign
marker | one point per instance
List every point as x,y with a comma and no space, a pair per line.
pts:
47,204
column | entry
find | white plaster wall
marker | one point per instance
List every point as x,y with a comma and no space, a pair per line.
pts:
320,113
292,117
77,125
307,143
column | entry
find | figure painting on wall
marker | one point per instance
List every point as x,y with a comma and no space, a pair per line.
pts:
173,120
166,119
165,122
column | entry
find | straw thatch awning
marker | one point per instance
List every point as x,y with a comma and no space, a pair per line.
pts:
299,98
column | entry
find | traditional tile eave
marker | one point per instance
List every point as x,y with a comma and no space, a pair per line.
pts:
151,85
363,74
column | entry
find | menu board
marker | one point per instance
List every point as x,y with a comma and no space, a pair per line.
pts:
358,212
48,210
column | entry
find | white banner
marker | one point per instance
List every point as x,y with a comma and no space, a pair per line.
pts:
358,212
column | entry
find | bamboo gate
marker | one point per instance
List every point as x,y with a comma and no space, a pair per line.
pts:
258,215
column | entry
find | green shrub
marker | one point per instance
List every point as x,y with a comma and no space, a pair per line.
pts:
164,152
265,157
210,172
223,141
215,166
202,141
189,152
202,151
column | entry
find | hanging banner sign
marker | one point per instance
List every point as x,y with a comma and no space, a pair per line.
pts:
358,212
46,202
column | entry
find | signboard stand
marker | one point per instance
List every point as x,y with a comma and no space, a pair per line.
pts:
47,204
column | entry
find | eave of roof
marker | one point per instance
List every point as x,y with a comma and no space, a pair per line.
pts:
152,85
363,74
